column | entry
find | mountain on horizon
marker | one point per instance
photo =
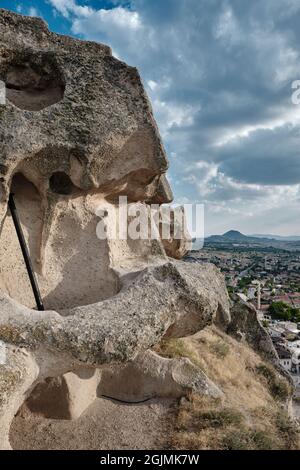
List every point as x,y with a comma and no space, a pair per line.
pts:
238,236
234,235
230,236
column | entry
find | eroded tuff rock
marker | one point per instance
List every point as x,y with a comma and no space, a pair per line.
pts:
89,116
77,132
169,299
172,298
148,376
177,241
245,326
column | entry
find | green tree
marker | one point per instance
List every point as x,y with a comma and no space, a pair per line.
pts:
244,282
296,314
280,310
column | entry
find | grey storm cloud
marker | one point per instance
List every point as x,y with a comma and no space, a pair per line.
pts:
265,157
219,73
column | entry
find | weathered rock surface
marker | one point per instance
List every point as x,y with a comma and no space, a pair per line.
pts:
64,397
16,379
148,376
245,326
152,376
175,299
177,241
89,116
77,132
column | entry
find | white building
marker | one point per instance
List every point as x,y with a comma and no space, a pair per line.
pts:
294,346
275,331
296,363
290,327
296,380
286,364
285,357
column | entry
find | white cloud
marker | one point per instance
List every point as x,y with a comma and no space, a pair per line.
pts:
220,82
120,20
69,7
171,116
227,29
29,11
119,17
33,12
152,85
63,6
116,17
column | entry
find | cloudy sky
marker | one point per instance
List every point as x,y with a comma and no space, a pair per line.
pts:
219,74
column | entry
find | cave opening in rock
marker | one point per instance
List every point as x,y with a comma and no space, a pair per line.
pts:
34,84
14,278
71,264
60,183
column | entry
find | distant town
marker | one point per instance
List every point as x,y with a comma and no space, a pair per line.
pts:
266,273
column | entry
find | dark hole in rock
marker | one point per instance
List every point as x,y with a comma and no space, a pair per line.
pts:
60,183
48,399
34,87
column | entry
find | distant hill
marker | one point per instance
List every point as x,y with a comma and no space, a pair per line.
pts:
233,237
292,238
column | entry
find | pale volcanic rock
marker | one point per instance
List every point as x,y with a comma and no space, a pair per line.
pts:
77,132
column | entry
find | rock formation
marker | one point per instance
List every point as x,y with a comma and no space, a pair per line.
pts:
244,326
77,139
77,132
177,241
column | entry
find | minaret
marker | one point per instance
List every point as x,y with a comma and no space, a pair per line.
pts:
258,296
